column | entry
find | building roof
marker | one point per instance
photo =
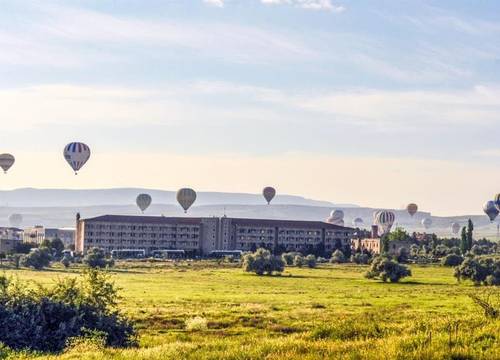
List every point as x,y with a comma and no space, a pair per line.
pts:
287,223
145,219
198,220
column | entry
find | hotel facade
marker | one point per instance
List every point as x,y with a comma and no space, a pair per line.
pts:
202,235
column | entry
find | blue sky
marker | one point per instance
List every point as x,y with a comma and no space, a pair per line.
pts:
332,89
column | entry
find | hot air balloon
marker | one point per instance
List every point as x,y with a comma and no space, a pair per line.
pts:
412,209
375,213
186,197
336,218
455,228
357,222
269,193
143,201
76,154
15,220
385,220
496,200
427,223
6,162
490,209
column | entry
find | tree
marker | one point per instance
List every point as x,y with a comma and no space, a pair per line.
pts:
483,270
57,247
37,259
262,262
338,257
470,233
311,261
452,260
24,247
399,234
96,258
385,244
463,241
387,269
360,258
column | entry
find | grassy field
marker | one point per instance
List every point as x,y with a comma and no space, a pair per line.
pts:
328,312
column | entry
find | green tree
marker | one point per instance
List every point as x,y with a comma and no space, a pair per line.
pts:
96,258
470,233
37,259
387,269
463,240
399,234
263,262
338,257
57,247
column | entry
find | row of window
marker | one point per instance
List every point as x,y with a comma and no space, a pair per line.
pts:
91,242
142,227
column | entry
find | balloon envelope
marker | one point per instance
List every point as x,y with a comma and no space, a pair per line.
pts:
455,228
496,200
337,214
427,223
269,193
15,220
186,197
6,162
412,209
385,219
357,222
76,154
143,201
490,209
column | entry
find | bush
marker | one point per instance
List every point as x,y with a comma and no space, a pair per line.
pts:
197,323
299,261
96,258
289,257
36,259
480,270
338,257
360,258
310,261
387,269
452,260
262,262
45,319
66,262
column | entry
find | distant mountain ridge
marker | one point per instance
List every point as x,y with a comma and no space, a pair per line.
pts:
31,197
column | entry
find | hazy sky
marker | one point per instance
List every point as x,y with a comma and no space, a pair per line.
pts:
377,103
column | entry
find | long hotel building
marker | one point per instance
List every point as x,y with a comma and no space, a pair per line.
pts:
202,235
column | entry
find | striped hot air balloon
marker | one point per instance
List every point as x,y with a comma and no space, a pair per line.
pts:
186,197
385,219
496,200
6,162
357,222
76,154
143,201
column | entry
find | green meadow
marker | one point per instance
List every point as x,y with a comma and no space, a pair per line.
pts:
331,312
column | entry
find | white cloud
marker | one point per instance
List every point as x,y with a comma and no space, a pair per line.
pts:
216,3
326,5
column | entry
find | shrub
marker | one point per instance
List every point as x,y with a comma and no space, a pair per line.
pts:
387,269
321,260
66,262
36,259
299,261
452,260
480,270
360,258
287,258
96,258
197,323
338,257
310,261
262,262
45,319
